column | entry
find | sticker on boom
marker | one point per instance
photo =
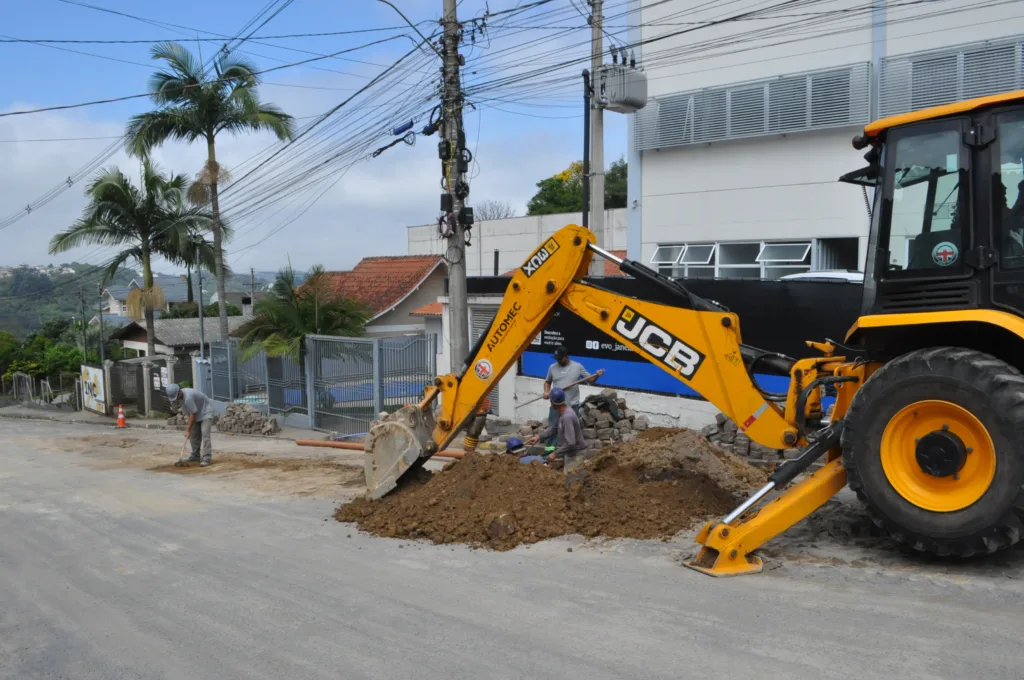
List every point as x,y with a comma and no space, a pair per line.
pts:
540,257
658,342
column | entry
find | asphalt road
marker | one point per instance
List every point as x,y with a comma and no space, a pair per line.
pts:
116,574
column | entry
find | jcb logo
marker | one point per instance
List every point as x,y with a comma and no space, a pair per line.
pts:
540,257
658,342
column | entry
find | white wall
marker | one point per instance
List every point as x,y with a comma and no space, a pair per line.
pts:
783,186
514,239
757,189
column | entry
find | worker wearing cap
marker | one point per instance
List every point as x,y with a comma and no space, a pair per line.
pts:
567,429
563,373
200,422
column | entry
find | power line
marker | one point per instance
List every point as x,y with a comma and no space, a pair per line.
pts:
148,94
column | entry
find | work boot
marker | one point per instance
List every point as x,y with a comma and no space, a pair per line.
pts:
206,461
192,459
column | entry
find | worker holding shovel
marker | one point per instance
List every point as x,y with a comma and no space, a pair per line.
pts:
567,375
200,422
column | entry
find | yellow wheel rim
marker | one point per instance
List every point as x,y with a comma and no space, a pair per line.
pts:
903,469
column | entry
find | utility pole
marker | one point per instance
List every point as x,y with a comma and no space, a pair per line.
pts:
199,294
596,134
85,346
103,356
458,219
252,290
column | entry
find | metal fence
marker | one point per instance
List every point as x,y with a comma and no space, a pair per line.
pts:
348,380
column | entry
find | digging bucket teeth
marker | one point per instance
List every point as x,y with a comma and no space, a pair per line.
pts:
395,445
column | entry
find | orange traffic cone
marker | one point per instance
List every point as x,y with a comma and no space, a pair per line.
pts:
120,417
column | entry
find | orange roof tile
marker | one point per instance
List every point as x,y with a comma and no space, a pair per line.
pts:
431,309
381,282
610,268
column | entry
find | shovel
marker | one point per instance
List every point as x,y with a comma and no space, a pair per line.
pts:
181,459
572,384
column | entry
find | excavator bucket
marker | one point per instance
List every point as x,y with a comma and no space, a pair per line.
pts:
395,444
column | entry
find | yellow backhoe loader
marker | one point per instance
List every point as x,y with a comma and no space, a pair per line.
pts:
928,422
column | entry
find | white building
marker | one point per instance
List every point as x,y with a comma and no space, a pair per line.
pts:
512,239
749,121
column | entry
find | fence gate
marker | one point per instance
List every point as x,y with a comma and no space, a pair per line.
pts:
124,385
221,371
354,379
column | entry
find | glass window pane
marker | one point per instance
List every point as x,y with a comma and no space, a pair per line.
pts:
667,254
700,272
739,272
923,230
784,252
698,254
738,253
1008,190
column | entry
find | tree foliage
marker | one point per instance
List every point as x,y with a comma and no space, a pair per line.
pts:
190,310
283,319
152,219
493,210
196,105
563,193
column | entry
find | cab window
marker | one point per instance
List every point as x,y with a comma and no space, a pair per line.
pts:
929,174
1008,190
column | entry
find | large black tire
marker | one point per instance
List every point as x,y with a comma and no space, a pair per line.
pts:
991,390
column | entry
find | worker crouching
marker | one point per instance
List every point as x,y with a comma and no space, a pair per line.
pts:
571,445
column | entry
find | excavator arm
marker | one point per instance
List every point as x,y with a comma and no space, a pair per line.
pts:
695,341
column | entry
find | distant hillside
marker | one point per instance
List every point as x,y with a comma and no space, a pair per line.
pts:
28,297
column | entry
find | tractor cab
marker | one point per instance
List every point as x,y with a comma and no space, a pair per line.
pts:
947,222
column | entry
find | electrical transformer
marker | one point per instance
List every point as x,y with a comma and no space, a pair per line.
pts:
623,88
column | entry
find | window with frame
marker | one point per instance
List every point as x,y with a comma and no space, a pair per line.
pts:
733,260
1008,190
928,172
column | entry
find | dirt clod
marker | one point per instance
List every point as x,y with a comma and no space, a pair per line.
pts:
649,488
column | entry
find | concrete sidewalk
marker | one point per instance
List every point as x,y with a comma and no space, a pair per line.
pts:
59,415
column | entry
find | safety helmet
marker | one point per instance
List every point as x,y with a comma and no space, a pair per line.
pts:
171,391
514,445
557,396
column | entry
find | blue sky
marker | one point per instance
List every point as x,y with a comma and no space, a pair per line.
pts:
367,211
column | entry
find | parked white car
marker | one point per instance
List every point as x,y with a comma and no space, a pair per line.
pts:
831,275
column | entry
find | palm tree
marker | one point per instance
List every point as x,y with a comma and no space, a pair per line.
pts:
147,221
283,319
195,106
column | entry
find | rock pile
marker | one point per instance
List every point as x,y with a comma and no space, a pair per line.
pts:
605,417
724,434
246,419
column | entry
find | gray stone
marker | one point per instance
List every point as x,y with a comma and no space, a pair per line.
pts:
485,437
741,445
623,426
603,417
762,452
628,436
708,430
721,419
621,403
727,437
628,414
641,423
588,421
533,423
606,433
589,433
610,393
525,431
790,454
729,427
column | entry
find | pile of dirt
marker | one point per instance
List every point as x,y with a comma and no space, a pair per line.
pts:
642,489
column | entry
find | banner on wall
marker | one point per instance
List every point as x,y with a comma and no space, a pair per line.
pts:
94,393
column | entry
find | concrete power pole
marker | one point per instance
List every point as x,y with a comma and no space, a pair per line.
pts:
85,345
199,295
102,336
596,135
457,218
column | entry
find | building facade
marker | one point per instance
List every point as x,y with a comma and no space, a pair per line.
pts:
750,117
498,246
